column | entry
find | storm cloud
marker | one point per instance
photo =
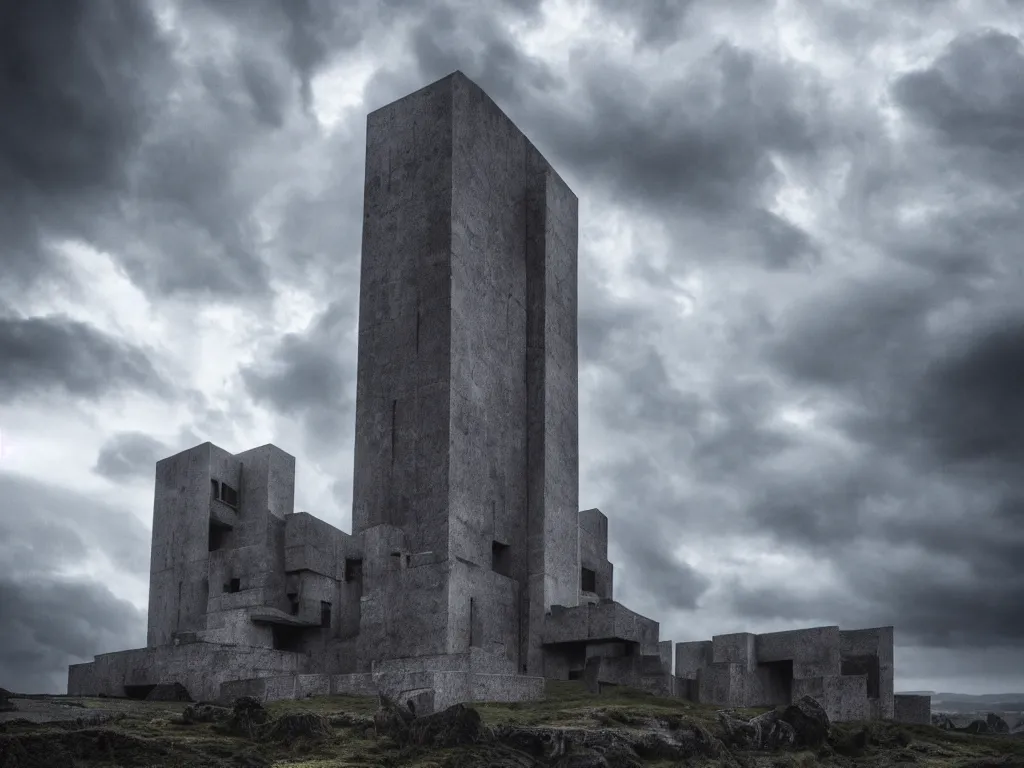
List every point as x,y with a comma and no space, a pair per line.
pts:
800,324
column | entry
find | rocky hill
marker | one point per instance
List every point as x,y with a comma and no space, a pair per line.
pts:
570,729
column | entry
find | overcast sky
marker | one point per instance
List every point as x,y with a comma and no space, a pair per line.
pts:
801,293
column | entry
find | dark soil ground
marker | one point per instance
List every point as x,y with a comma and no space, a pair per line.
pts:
339,732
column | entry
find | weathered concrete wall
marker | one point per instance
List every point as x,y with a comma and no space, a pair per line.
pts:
467,369
315,558
909,708
268,480
488,331
875,642
404,609
691,657
200,667
736,648
552,379
484,611
183,501
594,551
403,422
722,685
814,652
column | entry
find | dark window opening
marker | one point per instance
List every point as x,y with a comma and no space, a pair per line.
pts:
575,674
138,691
218,538
501,558
353,570
863,665
325,614
215,487
588,580
228,495
294,606
287,638
234,585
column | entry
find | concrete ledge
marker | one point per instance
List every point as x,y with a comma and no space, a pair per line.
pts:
605,621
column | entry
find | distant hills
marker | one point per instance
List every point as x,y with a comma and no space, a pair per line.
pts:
965,702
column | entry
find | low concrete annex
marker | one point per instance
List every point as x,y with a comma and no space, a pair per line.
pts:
470,573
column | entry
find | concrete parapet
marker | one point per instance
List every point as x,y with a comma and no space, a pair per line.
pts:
912,708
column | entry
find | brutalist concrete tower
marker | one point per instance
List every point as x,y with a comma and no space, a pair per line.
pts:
466,452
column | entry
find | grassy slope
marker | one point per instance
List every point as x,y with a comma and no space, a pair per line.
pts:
567,704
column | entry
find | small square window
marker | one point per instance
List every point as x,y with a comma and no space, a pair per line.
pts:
353,569
235,585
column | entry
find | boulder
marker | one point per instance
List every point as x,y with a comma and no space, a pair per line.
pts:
294,726
996,724
809,721
977,726
942,721
456,726
766,731
392,720
246,718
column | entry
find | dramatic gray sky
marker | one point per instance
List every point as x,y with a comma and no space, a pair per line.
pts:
801,281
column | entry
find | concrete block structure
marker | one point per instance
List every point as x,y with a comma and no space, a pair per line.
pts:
850,673
470,572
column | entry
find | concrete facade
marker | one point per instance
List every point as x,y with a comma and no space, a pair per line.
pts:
849,672
470,571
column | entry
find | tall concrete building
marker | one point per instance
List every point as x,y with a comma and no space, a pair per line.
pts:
470,573
466,417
